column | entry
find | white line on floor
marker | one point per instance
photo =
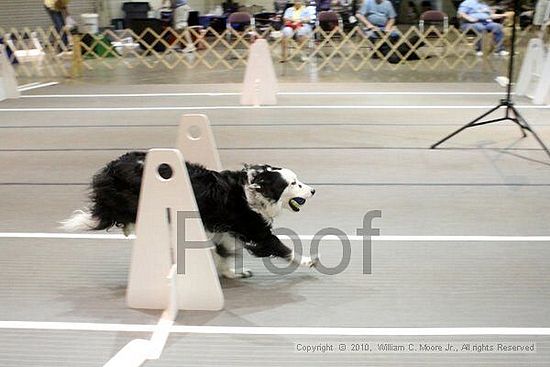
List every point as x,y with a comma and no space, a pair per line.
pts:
41,85
261,330
89,236
208,94
27,85
61,236
116,95
311,107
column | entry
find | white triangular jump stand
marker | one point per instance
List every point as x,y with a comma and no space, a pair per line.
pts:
534,76
153,282
8,82
155,248
196,141
260,82
542,92
531,68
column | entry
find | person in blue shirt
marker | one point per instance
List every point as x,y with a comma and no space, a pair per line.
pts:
378,16
323,5
479,16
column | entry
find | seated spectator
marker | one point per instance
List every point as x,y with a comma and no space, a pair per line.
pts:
479,16
323,5
539,16
378,16
280,6
344,9
338,6
180,19
296,21
58,12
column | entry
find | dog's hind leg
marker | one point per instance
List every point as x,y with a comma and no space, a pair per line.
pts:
228,251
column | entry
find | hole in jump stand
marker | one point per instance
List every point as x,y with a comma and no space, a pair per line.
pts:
194,132
165,171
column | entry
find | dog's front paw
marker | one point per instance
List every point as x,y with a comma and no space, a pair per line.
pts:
309,261
232,274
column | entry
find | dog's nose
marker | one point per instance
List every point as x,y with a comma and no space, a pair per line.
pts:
312,191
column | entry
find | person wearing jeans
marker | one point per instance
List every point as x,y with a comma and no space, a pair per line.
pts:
378,16
57,10
478,16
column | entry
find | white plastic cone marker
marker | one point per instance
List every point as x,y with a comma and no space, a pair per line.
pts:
531,68
260,82
155,248
8,82
542,90
196,141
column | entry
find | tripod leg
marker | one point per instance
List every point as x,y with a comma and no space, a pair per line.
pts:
469,124
514,118
526,126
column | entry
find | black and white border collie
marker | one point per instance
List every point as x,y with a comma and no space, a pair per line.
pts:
237,207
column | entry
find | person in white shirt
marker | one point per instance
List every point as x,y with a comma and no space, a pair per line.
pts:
296,23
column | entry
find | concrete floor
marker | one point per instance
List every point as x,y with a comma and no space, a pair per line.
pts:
476,70
471,69
365,152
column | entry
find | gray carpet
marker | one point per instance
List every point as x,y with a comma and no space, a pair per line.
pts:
357,159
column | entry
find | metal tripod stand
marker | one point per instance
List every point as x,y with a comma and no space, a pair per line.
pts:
511,113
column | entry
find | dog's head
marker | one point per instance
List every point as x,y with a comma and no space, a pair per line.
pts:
278,187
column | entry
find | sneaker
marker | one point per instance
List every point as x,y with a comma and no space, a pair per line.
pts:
479,53
189,48
502,53
66,53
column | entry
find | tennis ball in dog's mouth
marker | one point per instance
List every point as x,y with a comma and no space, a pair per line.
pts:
296,203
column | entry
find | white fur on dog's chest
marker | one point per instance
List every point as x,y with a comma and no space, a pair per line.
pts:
262,206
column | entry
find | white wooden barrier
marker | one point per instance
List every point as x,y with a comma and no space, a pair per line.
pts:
534,77
8,82
155,248
260,82
542,92
196,141
154,282
531,68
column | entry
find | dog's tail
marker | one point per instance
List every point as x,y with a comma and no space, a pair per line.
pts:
81,220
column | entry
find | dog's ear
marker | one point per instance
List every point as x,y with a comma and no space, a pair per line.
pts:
271,185
255,186
254,171
251,173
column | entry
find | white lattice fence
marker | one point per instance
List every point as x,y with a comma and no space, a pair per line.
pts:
42,52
